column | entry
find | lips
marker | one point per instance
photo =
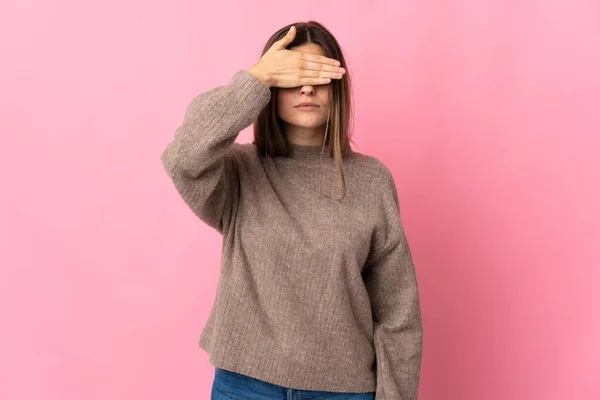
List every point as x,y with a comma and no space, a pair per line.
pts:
306,108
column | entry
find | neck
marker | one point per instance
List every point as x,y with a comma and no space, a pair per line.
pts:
304,135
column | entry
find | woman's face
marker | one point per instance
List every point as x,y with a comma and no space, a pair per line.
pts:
288,99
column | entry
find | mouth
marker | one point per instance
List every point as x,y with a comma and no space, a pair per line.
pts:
307,107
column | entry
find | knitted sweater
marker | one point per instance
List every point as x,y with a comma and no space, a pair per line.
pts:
313,293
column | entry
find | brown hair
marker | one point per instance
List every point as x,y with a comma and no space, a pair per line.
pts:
268,133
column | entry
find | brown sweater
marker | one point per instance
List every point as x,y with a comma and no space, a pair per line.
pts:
313,293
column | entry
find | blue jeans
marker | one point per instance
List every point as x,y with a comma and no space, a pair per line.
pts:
229,385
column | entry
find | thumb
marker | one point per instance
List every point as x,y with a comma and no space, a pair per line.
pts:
289,37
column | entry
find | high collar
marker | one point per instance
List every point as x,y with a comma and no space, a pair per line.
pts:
311,153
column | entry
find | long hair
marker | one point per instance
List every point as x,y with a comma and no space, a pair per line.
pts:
268,127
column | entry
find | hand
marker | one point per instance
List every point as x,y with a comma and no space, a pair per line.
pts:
285,68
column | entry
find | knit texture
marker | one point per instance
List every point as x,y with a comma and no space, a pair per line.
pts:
313,293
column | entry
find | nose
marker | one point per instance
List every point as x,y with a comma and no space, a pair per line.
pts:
307,89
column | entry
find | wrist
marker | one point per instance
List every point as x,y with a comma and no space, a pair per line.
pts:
260,75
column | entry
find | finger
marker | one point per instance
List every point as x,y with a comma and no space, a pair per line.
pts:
315,61
287,39
281,43
320,67
317,74
314,81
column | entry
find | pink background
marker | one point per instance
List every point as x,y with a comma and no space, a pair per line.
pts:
487,112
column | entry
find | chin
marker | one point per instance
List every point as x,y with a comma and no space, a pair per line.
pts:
308,125
307,121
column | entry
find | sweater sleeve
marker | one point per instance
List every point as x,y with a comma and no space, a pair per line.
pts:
199,158
391,282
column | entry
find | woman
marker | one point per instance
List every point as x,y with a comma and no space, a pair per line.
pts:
317,295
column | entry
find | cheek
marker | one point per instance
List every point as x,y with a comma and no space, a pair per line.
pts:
323,95
284,102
